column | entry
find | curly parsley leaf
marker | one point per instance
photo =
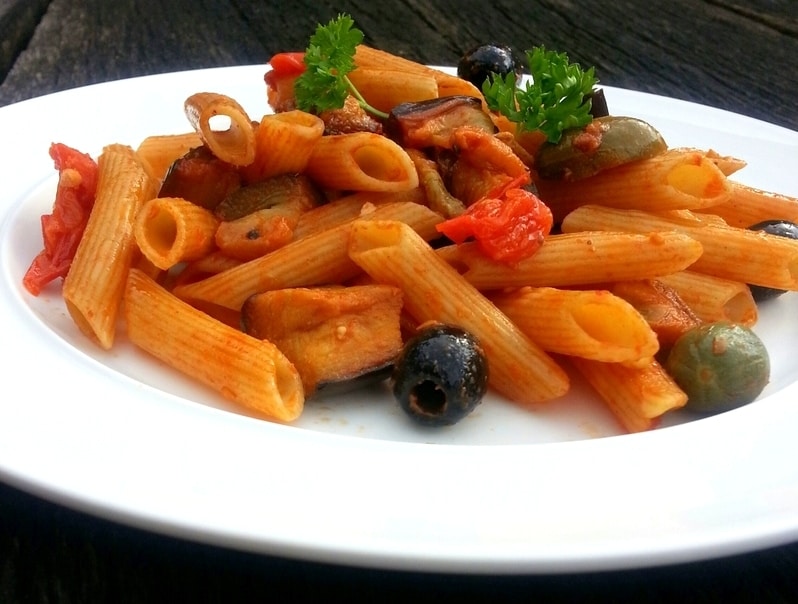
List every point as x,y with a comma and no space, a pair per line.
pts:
329,58
556,98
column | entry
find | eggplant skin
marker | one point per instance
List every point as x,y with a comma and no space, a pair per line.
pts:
607,142
441,376
430,123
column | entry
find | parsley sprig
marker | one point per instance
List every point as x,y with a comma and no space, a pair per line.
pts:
329,58
556,98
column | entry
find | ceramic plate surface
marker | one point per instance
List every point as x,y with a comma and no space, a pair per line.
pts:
554,489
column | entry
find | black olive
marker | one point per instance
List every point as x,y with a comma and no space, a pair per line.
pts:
479,62
598,103
782,228
441,375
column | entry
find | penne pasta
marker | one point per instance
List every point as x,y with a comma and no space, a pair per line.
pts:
234,144
728,252
579,259
93,287
676,179
246,370
714,299
212,264
637,396
361,161
348,207
283,144
170,230
748,206
313,260
393,254
384,89
727,164
367,57
157,153
660,305
594,324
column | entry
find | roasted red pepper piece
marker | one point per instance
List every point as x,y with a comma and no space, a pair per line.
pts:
63,228
508,225
286,67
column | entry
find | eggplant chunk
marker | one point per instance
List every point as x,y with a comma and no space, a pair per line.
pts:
201,178
431,123
330,334
607,142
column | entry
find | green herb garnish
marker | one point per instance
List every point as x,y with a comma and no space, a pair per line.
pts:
329,58
556,98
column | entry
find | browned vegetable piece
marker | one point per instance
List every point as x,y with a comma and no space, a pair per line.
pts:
260,217
277,190
660,305
607,142
430,123
200,177
349,118
438,197
330,333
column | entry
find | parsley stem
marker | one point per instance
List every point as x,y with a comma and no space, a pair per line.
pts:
363,103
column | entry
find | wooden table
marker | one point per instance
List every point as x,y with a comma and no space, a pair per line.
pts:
740,56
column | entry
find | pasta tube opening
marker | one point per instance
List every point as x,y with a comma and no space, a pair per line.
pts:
169,230
224,126
696,181
361,161
601,322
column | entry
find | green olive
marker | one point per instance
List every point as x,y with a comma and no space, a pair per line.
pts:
720,366
607,142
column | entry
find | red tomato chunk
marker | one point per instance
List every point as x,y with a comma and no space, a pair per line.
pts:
63,228
507,228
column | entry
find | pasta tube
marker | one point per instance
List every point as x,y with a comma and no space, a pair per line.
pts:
714,299
676,179
637,396
593,324
158,152
748,206
393,254
579,259
93,287
243,369
236,143
730,253
170,230
283,144
387,88
367,57
347,208
361,161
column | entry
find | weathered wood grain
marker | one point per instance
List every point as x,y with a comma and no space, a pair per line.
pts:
18,20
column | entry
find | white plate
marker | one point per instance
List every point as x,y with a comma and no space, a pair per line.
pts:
506,491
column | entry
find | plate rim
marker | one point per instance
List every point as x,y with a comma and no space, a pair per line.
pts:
35,475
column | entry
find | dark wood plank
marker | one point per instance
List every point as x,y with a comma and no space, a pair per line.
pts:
18,20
